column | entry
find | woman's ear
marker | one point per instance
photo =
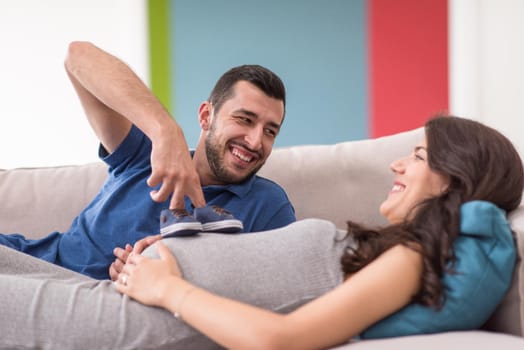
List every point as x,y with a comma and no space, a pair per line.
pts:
446,184
204,115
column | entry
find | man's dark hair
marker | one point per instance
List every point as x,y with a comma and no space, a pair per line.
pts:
261,77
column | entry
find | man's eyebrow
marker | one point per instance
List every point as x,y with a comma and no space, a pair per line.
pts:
246,112
418,148
254,115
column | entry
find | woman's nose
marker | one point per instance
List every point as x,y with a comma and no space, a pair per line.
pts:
398,165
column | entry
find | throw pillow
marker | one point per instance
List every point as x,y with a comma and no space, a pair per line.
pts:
485,253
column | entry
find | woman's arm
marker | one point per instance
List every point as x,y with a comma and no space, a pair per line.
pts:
379,289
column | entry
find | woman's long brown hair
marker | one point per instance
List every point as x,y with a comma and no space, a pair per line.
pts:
481,164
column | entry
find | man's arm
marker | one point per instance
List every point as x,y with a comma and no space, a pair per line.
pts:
114,98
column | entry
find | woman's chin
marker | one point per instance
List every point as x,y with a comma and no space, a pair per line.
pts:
384,210
389,215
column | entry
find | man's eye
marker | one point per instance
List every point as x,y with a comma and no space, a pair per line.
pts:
246,120
271,132
418,157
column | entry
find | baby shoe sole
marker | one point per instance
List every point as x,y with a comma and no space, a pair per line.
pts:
223,226
181,229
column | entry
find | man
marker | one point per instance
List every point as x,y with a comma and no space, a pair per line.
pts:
151,168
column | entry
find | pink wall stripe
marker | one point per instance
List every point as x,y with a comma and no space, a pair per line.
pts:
408,43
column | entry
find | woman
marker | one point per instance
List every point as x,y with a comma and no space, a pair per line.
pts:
458,161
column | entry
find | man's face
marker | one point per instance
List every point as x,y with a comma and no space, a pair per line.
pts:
241,134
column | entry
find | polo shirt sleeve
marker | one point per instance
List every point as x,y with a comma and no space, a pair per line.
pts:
134,151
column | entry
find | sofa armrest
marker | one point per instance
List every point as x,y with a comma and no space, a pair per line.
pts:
509,316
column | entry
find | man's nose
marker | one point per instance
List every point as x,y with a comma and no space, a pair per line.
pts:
254,138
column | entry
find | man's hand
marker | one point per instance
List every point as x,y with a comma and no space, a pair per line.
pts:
114,98
122,254
173,169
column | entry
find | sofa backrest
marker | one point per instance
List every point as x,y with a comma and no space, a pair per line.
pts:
343,181
37,201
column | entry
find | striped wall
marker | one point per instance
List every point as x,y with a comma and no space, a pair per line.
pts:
353,69
159,50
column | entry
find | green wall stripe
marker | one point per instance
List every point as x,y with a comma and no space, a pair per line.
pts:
159,57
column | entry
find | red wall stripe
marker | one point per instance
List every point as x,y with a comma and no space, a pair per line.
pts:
408,43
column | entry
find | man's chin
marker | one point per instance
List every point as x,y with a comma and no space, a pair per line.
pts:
237,177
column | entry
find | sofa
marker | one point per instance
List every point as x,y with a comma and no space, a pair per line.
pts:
337,182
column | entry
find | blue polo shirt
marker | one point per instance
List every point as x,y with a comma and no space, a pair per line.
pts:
123,212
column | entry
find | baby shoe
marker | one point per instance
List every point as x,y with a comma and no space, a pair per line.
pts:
177,223
217,219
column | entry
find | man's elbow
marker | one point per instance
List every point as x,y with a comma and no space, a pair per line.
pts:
75,50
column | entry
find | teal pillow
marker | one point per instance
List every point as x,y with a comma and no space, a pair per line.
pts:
485,253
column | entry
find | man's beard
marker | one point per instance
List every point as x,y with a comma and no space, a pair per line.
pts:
215,158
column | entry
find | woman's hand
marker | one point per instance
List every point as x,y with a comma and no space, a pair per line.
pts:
148,280
122,254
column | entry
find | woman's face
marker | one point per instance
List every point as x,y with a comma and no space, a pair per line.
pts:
414,182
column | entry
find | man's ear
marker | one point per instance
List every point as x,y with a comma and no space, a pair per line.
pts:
204,115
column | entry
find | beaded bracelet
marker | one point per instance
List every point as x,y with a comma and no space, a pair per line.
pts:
178,312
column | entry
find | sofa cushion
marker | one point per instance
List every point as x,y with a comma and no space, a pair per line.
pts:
464,340
485,253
